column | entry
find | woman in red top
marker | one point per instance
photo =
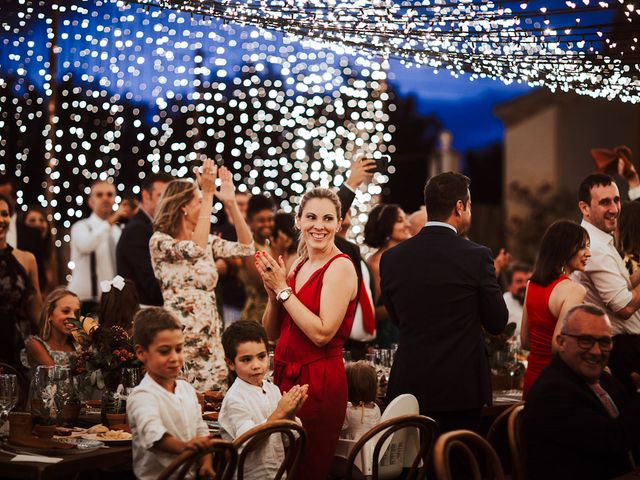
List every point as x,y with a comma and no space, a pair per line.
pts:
311,312
550,293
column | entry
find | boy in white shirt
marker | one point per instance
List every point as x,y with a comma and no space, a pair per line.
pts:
252,400
164,413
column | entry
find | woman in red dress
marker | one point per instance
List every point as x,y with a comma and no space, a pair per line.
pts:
310,312
550,293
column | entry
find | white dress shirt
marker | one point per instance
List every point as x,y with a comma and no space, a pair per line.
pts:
607,280
433,223
92,235
246,406
515,311
153,411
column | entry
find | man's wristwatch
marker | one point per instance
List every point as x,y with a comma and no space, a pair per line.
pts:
284,294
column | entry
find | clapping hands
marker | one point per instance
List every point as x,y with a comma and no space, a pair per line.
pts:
291,401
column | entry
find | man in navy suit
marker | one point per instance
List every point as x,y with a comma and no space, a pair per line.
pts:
133,257
441,290
580,422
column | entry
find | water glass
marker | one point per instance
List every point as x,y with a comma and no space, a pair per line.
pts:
8,395
346,356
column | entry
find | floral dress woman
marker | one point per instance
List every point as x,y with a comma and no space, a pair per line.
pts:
188,277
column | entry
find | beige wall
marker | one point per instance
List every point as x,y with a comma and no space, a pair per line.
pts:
530,153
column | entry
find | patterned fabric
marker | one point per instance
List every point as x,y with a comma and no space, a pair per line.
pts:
15,290
632,262
257,297
188,276
65,359
605,399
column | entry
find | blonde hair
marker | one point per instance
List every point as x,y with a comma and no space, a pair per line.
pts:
49,306
177,194
311,194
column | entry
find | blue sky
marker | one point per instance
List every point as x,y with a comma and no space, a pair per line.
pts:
464,106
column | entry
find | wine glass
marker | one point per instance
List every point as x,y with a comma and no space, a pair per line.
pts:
8,395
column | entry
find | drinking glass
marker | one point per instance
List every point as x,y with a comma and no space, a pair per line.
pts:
370,358
42,394
131,378
8,395
346,356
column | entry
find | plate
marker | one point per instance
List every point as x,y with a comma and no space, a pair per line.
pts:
113,442
82,446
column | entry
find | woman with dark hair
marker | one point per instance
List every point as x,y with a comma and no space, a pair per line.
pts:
629,236
20,300
119,303
36,217
183,258
550,293
285,238
386,227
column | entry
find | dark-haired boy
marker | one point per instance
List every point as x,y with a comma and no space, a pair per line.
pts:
252,400
164,413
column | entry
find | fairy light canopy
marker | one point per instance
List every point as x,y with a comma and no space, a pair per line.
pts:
586,46
135,93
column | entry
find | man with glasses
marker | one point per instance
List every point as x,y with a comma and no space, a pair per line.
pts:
93,245
580,422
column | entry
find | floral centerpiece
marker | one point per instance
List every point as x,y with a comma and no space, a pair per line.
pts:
105,352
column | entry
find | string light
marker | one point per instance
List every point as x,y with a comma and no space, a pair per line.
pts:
568,46
139,92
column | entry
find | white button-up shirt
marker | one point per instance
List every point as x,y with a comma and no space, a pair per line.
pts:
92,235
153,411
515,312
246,406
607,280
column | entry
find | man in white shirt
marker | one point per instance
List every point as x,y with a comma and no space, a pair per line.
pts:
517,277
606,279
93,245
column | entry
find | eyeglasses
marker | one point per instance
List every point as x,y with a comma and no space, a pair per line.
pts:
586,342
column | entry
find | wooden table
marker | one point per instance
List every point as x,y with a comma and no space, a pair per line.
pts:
112,458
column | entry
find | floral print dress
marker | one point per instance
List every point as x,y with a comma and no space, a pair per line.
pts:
188,276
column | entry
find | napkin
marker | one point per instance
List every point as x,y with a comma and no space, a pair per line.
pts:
35,458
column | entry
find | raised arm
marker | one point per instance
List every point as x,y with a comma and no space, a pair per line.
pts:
207,182
226,195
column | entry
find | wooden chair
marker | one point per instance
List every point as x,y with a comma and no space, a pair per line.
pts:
498,437
389,451
294,440
514,431
465,442
225,458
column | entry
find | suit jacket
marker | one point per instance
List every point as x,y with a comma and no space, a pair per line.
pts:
133,259
441,290
29,239
568,433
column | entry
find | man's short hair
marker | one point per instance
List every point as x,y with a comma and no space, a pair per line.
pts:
590,181
517,267
150,180
150,321
258,203
100,181
242,331
582,307
442,192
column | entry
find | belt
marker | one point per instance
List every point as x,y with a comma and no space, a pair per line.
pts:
292,369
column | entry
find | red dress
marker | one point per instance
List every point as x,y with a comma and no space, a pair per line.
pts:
298,361
541,324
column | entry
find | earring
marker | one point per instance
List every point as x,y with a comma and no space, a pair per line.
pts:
185,213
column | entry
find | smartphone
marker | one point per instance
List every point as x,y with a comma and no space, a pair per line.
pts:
382,163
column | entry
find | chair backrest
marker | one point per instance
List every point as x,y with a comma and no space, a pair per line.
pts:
498,437
384,449
224,461
514,430
466,443
292,436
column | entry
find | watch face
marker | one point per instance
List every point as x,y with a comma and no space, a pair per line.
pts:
285,294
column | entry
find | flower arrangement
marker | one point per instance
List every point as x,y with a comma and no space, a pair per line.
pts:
104,353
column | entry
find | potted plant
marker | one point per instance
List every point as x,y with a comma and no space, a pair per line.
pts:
105,353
